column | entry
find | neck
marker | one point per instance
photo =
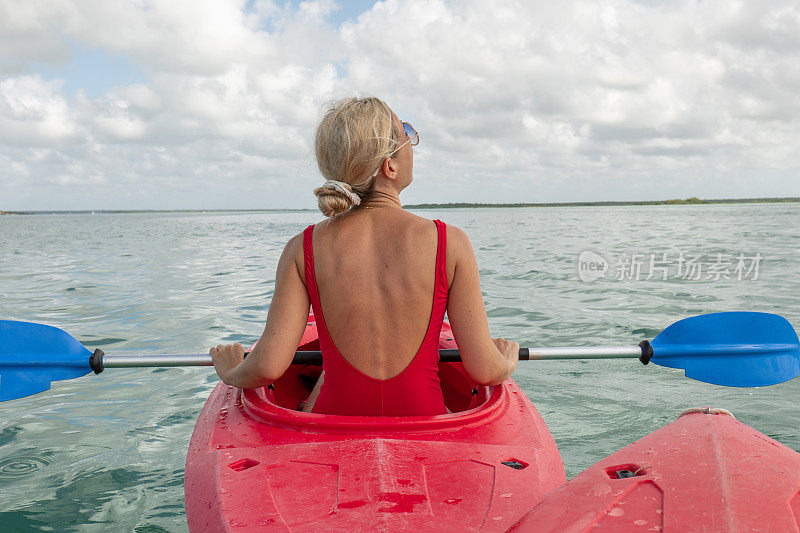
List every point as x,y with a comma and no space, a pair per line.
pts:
382,197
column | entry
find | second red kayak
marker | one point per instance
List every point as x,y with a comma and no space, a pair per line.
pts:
706,471
257,464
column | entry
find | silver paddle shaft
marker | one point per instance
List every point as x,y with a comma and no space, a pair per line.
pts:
588,352
129,361
315,357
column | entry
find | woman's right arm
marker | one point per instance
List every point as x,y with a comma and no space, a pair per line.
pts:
488,361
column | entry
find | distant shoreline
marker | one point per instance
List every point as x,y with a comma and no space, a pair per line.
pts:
687,201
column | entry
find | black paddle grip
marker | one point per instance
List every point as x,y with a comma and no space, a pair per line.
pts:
96,361
647,352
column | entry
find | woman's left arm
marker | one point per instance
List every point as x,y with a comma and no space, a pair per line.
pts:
286,321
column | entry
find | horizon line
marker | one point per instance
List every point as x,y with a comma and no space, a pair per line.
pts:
448,205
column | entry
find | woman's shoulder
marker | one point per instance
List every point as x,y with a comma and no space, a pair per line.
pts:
457,240
295,243
459,249
455,235
293,251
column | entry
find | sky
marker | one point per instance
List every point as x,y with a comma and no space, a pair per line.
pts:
212,104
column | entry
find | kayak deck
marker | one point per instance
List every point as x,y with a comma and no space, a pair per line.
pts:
255,463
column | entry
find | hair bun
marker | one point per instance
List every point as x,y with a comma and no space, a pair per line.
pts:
335,198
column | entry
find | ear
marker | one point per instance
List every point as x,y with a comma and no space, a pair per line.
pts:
389,168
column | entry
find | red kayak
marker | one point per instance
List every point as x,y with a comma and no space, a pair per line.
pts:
257,464
706,471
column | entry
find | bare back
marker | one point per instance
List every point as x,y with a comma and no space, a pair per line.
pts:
375,273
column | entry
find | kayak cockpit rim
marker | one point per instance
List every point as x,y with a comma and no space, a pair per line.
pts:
257,405
486,404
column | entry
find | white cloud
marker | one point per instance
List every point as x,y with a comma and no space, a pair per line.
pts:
318,8
28,34
34,113
515,100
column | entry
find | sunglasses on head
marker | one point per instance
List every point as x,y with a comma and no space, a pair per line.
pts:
411,133
412,137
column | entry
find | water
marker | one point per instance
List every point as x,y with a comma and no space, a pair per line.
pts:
107,452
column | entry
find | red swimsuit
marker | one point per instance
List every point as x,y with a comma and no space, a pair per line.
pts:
414,391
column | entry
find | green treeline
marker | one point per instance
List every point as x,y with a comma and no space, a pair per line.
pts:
692,200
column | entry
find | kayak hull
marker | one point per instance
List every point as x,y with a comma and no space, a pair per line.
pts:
705,471
255,465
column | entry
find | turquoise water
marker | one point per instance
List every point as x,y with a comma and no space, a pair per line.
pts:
107,452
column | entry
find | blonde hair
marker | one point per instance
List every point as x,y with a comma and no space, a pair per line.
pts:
353,138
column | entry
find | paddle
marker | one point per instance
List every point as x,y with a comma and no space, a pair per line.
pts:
735,349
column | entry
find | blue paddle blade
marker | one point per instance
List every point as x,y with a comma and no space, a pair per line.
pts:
34,355
735,349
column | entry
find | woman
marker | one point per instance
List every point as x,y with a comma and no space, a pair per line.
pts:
379,280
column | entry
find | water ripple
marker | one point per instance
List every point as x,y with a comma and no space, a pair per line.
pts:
24,463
